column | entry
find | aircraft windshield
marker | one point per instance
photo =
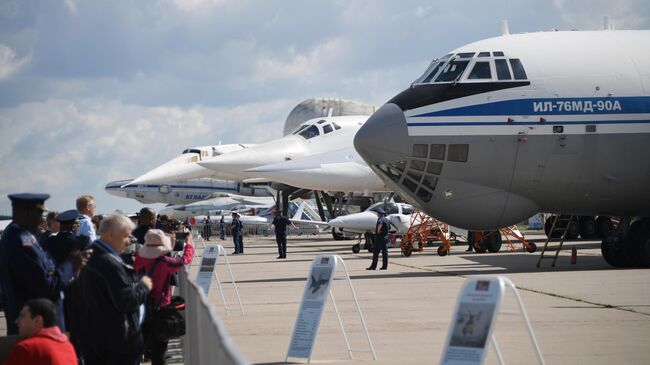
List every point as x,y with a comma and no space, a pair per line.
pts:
309,132
191,150
431,71
484,66
452,71
389,208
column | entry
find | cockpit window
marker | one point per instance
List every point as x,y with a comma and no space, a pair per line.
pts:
484,54
481,70
336,126
434,71
309,132
321,121
433,68
191,150
407,209
452,71
298,129
518,69
497,54
503,73
327,128
466,55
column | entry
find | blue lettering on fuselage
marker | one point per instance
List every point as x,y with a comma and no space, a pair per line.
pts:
195,197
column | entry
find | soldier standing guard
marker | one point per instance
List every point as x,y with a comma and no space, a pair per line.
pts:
26,270
381,240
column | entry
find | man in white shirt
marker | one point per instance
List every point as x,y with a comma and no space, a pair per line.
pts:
86,206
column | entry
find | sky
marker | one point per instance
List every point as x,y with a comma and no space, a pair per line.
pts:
93,91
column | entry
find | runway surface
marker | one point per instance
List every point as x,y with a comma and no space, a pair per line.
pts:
584,313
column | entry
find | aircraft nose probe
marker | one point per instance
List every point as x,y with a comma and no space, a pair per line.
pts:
384,137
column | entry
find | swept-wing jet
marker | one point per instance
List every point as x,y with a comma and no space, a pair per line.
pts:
182,192
500,129
221,204
186,166
340,170
315,136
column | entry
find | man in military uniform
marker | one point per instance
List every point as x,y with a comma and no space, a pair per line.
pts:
381,241
26,270
66,241
235,231
280,223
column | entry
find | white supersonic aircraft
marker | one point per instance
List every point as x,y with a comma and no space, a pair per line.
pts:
500,129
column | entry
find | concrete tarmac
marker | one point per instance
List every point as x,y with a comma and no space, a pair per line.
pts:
588,313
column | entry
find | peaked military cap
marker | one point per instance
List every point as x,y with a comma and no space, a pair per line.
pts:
68,216
29,200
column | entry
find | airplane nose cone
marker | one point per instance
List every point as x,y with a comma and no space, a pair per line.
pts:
384,137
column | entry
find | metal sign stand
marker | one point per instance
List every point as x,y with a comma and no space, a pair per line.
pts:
205,269
475,315
308,320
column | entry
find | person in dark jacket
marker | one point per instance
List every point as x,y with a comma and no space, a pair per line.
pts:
280,223
61,245
113,299
381,241
235,231
26,270
146,221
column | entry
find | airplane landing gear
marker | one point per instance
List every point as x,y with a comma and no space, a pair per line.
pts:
356,248
628,245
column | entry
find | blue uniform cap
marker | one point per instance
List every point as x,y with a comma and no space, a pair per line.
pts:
29,200
68,216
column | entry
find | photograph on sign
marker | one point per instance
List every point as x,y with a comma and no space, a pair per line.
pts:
207,264
319,280
472,324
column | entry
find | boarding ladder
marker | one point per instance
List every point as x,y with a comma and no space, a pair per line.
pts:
558,219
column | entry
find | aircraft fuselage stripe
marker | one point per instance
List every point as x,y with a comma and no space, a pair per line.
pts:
535,123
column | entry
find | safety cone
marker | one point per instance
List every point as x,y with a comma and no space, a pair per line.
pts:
574,255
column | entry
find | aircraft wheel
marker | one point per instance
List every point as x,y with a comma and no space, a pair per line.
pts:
407,250
604,226
547,227
337,236
632,245
587,227
442,252
493,241
532,247
480,246
356,248
612,250
573,231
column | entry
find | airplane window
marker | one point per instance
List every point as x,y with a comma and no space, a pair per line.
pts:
484,54
420,150
321,121
336,126
434,168
433,72
407,209
184,152
437,151
417,165
410,184
518,69
414,175
466,55
503,73
452,71
400,165
327,128
497,54
458,152
391,208
310,132
424,195
430,182
299,128
481,70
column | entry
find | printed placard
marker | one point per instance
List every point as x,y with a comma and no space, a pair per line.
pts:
473,320
206,268
311,309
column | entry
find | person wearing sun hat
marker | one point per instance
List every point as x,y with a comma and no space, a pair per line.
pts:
152,259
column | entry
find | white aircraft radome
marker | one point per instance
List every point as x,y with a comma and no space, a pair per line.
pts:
500,129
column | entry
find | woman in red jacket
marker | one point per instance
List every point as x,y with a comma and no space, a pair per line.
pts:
157,244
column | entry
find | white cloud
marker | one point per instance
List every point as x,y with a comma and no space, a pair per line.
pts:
9,64
588,15
71,5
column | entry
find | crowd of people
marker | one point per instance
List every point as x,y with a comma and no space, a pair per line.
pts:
75,294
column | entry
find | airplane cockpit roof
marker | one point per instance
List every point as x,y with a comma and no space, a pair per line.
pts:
471,67
315,128
392,208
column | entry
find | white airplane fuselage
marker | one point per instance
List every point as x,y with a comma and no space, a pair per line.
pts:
399,214
317,155
181,192
560,124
